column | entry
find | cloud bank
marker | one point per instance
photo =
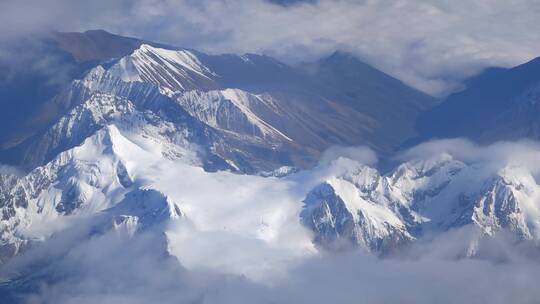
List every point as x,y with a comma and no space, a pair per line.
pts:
432,45
115,268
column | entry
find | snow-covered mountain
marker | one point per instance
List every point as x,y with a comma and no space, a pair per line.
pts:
428,197
175,70
224,128
260,113
119,179
225,113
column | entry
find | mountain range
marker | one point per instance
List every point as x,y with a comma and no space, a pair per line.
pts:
113,135
280,115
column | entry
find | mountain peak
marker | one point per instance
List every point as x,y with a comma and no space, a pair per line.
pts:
174,70
340,55
95,44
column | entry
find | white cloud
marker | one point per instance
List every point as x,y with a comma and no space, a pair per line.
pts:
432,45
116,269
522,153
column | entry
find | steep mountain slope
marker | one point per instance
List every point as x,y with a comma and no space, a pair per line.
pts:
393,105
498,104
174,70
75,182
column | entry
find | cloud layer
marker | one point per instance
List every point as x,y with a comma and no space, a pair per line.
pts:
432,45
116,268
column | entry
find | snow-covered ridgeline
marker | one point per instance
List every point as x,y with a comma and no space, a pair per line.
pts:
419,198
194,122
174,70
